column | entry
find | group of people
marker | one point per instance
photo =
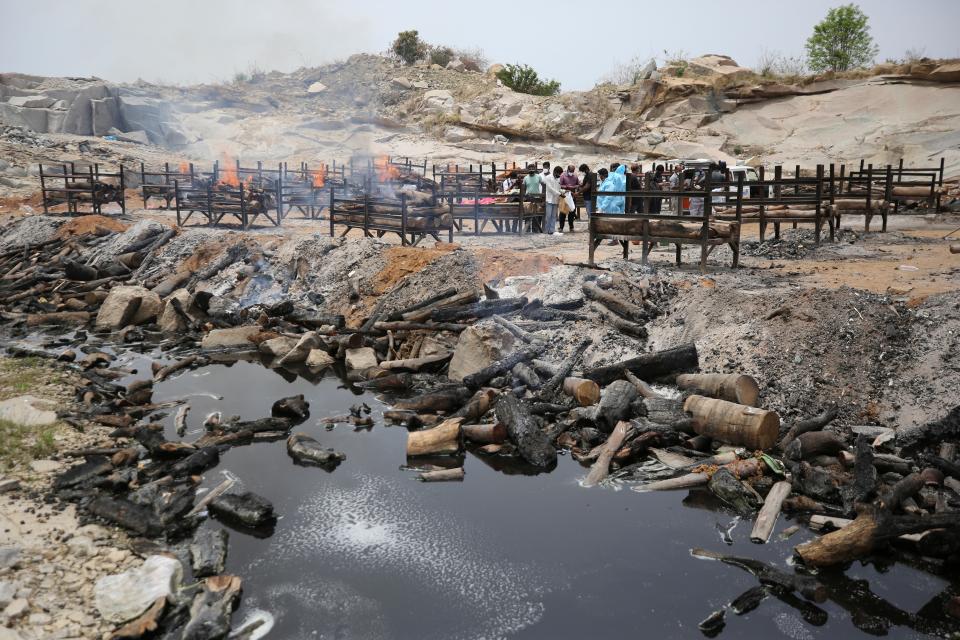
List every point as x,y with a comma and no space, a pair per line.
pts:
556,183
559,186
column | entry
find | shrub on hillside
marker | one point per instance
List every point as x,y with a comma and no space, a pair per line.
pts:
523,79
408,46
441,55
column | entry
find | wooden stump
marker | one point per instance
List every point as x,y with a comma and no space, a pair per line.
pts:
733,387
733,423
443,439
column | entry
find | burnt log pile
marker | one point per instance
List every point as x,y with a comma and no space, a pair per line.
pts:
655,421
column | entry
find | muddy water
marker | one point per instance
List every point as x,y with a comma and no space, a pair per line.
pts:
368,552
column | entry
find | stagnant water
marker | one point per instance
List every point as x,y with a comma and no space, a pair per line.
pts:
367,551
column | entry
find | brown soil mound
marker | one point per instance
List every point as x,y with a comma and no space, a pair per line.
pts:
402,261
500,263
89,224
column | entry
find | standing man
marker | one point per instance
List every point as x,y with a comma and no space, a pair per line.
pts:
568,182
635,183
676,179
531,195
587,179
551,186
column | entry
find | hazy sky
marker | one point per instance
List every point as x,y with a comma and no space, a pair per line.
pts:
190,41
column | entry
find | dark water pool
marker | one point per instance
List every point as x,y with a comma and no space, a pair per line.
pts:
366,551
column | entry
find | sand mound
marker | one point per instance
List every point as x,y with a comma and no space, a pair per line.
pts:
89,224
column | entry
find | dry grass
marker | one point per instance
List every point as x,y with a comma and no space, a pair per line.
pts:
19,444
22,376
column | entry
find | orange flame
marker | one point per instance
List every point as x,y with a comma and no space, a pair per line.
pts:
184,167
320,176
228,171
385,170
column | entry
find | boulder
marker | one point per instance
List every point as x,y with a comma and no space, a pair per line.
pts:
456,65
402,83
172,136
307,343
457,134
645,71
360,359
208,552
317,87
438,100
246,509
31,102
140,113
124,596
306,450
170,321
8,591
654,138
136,137
79,117
28,411
105,115
494,69
318,359
479,346
33,119
420,84
719,66
278,347
117,312
295,407
949,72
231,337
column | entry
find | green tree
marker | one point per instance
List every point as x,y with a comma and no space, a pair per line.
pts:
522,78
841,41
408,46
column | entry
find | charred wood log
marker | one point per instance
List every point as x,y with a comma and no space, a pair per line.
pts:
532,444
808,587
446,400
482,377
814,443
478,310
649,366
810,424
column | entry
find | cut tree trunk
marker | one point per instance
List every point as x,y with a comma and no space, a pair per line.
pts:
767,517
443,439
492,433
733,387
585,392
442,475
814,443
601,468
733,423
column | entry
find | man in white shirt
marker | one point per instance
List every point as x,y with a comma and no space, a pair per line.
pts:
551,186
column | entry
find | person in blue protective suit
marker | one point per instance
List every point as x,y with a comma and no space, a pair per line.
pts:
613,181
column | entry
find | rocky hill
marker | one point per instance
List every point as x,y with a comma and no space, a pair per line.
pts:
711,107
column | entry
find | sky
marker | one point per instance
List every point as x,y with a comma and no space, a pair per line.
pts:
192,41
